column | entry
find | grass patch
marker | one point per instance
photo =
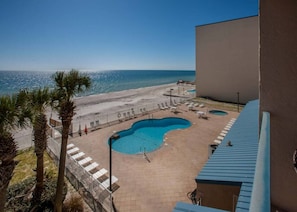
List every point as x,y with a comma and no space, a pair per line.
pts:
219,105
27,164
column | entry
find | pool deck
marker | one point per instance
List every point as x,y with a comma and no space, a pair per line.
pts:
159,184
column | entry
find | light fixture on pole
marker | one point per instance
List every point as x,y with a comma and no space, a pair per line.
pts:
170,96
115,136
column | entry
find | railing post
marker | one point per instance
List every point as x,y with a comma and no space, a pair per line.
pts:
260,201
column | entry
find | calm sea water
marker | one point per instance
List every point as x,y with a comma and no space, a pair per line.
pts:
102,81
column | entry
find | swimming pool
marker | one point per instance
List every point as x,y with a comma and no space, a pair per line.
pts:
192,91
218,112
147,135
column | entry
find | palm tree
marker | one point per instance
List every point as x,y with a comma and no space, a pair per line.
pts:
67,85
39,99
13,113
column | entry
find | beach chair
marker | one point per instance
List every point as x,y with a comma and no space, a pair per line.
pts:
174,103
160,107
84,161
217,141
223,134
72,151
91,166
99,173
133,113
78,155
106,182
173,109
201,105
220,138
69,146
227,128
164,106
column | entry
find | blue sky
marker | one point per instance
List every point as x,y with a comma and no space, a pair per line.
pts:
108,34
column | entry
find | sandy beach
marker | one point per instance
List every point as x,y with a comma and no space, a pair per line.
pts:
116,101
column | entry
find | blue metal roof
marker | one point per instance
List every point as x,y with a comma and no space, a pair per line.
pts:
186,207
236,164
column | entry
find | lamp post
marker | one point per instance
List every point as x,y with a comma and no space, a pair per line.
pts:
170,96
115,136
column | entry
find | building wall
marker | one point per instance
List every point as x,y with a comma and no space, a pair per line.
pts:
218,195
278,89
227,60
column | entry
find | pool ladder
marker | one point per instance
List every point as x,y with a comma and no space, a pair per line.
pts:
145,156
150,116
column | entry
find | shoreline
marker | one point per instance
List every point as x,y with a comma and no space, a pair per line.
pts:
99,106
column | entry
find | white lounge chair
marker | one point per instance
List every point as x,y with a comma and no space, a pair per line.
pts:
106,182
161,107
72,151
78,155
173,109
84,161
223,134
99,173
217,141
220,138
224,131
91,166
164,106
174,103
227,128
69,146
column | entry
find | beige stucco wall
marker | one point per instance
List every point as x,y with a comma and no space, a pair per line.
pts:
218,195
278,89
227,60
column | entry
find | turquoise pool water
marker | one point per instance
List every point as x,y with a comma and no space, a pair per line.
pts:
147,135
192,91
218,112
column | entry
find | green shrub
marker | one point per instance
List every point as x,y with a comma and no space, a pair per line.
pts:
20,195
73,204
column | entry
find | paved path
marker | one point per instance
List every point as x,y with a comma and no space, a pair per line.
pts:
158,185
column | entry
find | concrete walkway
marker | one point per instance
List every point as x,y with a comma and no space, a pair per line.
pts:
158,185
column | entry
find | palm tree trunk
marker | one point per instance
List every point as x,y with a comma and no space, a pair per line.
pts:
8,150
2,198
6,170
60,183
40,146
39,179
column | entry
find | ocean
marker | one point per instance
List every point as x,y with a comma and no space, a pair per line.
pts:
102,81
